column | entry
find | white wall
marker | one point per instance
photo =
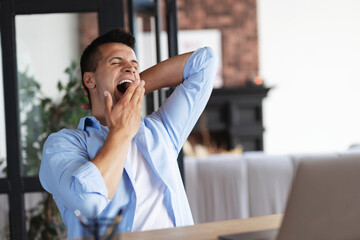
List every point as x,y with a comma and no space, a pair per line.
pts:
309,53
46,45
188,40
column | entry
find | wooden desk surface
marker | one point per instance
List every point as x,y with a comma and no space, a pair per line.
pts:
207,231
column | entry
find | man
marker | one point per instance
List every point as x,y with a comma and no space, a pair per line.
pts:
117,159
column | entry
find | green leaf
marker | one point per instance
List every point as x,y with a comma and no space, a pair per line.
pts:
59,86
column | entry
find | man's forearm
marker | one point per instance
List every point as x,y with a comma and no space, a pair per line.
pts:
168,73
110,160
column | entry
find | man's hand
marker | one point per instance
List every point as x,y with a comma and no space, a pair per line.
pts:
123,120
125,115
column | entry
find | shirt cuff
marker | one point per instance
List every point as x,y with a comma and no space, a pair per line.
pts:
198,61
90,179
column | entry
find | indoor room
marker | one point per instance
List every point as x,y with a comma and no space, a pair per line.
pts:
276,128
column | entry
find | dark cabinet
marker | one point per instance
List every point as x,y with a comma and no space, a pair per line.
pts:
233,116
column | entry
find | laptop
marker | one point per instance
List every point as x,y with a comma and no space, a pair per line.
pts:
324,202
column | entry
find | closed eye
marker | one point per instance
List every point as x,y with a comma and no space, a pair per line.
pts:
115,60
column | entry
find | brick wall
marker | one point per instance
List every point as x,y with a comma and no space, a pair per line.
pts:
237,21
88,28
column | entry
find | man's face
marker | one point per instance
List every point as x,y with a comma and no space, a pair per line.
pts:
117,65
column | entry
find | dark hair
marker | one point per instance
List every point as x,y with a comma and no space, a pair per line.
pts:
92,55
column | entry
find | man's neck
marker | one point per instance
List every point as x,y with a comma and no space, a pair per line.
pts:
100,118
98,111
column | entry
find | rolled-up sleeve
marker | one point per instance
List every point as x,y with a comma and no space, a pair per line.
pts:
67,172
182,109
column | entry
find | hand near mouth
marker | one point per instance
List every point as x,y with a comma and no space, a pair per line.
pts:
125,115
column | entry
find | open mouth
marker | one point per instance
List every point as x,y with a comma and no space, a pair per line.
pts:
123,86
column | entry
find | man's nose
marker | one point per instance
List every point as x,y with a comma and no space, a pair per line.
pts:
129,68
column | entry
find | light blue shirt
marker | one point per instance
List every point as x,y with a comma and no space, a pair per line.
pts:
76,183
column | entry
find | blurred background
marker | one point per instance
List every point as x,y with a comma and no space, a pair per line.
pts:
298,58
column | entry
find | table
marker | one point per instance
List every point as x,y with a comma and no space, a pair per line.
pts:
208,231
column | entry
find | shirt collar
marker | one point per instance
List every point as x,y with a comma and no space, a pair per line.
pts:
89,121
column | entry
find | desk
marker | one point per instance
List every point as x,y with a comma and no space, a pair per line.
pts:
208,231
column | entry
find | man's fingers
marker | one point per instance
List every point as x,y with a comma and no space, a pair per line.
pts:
108,101
142,94
141,98
130,91
139,91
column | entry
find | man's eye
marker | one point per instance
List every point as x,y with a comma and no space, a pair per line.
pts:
114,63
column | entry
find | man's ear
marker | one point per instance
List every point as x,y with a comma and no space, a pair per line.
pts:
89,80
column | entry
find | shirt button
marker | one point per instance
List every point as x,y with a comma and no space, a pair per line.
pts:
128,229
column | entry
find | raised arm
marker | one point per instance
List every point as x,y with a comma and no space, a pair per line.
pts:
168,73
179,113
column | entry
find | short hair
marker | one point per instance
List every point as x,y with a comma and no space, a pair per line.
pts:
91,55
